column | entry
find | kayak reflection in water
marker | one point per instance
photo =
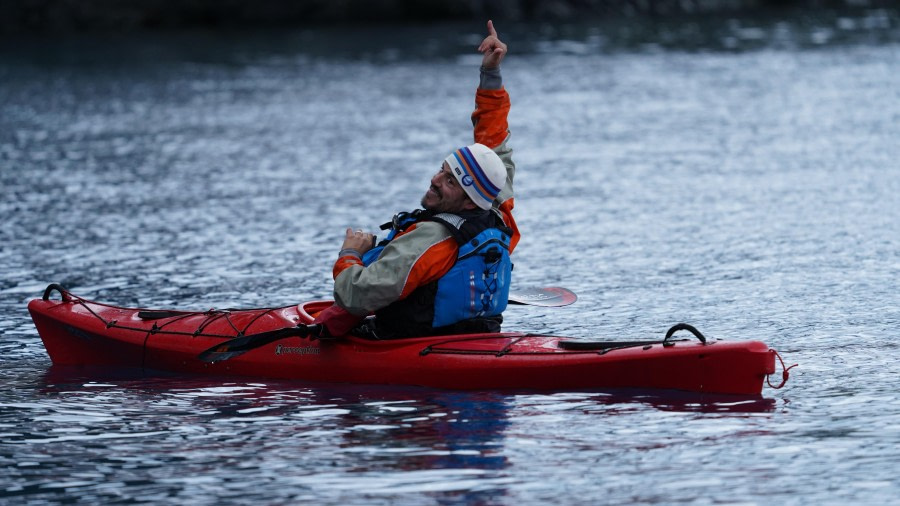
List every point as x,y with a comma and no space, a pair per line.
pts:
443,269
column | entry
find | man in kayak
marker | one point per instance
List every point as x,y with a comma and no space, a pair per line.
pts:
444,269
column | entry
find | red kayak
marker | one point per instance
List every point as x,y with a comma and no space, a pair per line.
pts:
80,332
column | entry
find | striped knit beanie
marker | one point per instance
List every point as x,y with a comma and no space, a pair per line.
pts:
480,172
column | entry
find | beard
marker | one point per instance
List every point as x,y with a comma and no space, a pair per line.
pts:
424,202
428,207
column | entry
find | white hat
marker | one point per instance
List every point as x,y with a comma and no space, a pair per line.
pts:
480,172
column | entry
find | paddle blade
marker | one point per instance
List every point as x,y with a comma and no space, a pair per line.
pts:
213,355
240,345
549,296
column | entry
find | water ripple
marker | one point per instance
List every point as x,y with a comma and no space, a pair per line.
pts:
741,184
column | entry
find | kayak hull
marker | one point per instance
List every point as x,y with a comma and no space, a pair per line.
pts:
78,332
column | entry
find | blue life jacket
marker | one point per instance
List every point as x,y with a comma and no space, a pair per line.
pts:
471,296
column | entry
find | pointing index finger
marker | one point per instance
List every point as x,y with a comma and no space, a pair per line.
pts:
490,26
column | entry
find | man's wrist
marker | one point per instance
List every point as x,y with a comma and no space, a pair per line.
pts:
349,252
491,79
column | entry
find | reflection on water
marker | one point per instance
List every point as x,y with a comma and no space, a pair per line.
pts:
735,174
173,433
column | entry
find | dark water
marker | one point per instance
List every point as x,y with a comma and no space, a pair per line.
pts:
740,175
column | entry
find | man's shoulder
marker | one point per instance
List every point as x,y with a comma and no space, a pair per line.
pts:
427,229
424,239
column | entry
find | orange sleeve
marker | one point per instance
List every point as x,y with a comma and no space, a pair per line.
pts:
506,211
433,264
343,263
489,117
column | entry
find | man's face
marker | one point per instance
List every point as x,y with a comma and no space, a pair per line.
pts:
445,195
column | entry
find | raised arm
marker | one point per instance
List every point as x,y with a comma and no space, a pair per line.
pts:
490,118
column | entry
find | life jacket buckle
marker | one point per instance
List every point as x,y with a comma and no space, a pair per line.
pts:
492,255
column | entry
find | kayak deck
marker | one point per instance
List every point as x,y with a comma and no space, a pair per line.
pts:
79,332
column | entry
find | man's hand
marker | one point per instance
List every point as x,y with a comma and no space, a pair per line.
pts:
492,48
359,241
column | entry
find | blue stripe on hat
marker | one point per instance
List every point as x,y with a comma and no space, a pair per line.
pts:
465,166
479,174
